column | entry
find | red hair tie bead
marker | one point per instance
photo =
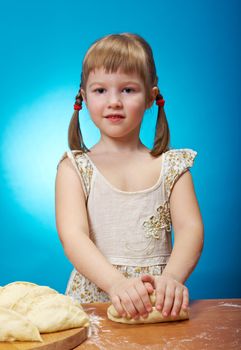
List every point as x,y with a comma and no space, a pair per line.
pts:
160,102
77,107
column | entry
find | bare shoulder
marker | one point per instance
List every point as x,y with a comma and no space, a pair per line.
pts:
70,201
65,164
183,202
183,188
67,173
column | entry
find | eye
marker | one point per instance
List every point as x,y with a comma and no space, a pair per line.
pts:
99,90
129,89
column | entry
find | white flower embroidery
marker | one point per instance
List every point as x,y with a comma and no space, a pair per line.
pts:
156,223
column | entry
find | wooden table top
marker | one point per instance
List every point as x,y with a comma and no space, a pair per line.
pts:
214,324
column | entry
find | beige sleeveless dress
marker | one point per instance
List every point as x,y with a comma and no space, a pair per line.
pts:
131,229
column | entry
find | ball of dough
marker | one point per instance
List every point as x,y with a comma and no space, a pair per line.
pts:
153,317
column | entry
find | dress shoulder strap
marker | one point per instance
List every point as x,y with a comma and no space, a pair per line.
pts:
177,161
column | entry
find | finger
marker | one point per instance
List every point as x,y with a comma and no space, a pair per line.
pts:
160,295
177,301
168,301
136,296
148,278
128,305
185,301
117,305
142,292
149,287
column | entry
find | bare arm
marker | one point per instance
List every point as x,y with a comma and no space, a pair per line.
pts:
73,229
188,229
171,293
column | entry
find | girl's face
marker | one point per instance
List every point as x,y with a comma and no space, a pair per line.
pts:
115,93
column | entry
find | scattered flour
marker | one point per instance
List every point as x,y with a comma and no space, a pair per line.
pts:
172,343
94,325
230,304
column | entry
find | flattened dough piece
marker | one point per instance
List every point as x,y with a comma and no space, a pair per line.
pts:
153,317
12,292
23,303
17,327
55,312
35,297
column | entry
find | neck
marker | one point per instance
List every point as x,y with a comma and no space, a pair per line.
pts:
114,147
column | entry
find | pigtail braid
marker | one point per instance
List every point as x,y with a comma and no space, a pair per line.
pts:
75,139
162,134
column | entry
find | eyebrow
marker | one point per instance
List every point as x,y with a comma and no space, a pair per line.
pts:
124,83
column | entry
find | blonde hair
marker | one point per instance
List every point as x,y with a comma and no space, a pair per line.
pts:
131,54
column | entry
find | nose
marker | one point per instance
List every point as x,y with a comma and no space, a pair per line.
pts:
114,100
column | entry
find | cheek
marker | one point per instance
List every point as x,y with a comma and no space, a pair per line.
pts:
137,101
137,107
94,106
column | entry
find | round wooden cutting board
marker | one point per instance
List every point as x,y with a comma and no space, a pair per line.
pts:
64,340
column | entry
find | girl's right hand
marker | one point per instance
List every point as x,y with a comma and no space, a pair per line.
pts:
130,296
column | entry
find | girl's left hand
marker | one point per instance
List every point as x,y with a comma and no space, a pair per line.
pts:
171,295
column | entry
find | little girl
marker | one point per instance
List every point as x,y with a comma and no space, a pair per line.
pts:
117,202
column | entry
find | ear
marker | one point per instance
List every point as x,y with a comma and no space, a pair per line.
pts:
83,94
154,93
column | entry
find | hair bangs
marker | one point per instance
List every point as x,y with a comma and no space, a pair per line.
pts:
113,54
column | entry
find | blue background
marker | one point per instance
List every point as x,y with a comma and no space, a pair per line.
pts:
196,45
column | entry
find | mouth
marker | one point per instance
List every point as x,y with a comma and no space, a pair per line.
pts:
114,116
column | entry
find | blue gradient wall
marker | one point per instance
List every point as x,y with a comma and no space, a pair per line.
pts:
196,45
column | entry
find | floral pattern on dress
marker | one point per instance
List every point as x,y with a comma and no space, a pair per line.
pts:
177,161
161,219
85,169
